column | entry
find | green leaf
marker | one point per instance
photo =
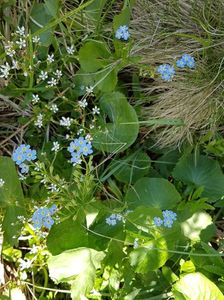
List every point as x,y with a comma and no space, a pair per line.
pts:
94,10
122,130
11,198
193,226
93,56
155,192
145,258
41,15
132,167
198,287
201,171
122,19
66,235
52,7
77,267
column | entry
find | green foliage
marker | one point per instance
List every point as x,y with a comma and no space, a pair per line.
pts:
12,200
156,192
196,286
201,171
122,130
77,267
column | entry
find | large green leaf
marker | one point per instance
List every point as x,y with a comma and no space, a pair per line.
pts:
93,11
201,171
149,257
196,286
66,235
11,199
77,267
156,192
122,130
133,167
93,56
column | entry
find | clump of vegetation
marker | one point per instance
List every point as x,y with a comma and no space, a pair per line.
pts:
163,32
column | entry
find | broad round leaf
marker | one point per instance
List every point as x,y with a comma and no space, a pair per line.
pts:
122,130
156,192
201,171
198,287
132,167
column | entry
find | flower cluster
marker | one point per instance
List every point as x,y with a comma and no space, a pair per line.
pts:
168,218
122,33
166,71
113,219
186,61
42,217
21,154
78,147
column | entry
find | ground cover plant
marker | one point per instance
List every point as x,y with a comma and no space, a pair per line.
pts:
112,150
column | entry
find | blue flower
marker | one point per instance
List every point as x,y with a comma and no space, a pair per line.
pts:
76,158
87,149
31,154
18,157
169,214
48,222
158,221
168,222
112,219
78,147
24,168
122,33
186,61
42,217
53,209
180,63
166,71
23,153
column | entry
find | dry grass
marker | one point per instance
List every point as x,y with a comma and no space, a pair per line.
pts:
163,31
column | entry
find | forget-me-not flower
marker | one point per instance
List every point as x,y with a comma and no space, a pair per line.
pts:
122,33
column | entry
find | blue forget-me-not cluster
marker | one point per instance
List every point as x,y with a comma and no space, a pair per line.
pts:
168,218
79,147
42,217
122,33
167,72
24,154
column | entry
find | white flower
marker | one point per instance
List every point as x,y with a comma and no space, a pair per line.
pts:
56,147
2,182
88,137
35,98
9,49
25,264
58,73
21,30
66,122
35,39
39,121
22,177
80,131
89,89
43,75
25,73
67,136
52,82
5,70
135,245
21,43
34,249
91,126
96,110
70,50
38,165
53,188
82,103
54,108
50,58
15,64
